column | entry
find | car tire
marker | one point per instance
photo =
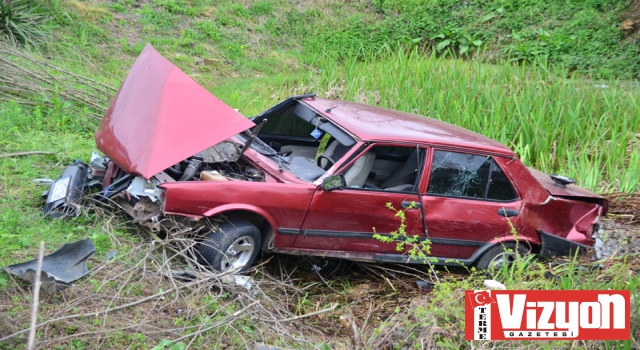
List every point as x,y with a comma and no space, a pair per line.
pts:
232,244
497,255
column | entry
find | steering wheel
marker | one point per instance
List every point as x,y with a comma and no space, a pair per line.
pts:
330,162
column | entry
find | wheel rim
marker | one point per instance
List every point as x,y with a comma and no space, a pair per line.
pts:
503,258
238,253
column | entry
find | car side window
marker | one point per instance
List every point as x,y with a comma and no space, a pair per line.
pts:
385,168
464,175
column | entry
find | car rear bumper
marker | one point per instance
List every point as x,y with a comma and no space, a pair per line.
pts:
553,245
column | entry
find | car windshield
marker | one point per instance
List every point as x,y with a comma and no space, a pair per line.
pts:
266,150
299,140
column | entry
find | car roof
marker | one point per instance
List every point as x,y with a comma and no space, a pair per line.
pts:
370,123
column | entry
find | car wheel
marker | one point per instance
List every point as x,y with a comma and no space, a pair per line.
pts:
232,245
501,254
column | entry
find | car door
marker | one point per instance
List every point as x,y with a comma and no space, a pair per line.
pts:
468,201
346,219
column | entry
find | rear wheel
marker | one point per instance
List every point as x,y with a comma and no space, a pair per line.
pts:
501,254
232,245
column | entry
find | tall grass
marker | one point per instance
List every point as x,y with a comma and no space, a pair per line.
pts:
572,126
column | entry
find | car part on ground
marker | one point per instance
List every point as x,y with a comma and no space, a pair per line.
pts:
63,198
59,268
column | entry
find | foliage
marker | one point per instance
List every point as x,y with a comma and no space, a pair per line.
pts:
414,246
581,36
21,22
279,36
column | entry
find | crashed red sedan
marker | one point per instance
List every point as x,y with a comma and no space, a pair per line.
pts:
312,176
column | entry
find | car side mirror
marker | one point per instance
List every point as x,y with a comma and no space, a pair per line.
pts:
334,182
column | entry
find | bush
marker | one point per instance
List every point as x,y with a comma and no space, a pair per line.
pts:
581,36
21,22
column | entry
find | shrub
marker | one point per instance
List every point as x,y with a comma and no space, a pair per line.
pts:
21,22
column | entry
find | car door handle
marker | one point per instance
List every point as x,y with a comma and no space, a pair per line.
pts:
508,212
408,205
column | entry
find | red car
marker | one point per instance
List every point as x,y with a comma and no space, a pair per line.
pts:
176,155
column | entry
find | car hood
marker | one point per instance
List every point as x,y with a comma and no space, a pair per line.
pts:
160,116
562,191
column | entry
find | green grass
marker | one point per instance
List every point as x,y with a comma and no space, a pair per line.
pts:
272,36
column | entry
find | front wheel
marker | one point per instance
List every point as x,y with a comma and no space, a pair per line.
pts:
500,255
233,244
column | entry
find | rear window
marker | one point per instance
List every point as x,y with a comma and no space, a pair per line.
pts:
464,175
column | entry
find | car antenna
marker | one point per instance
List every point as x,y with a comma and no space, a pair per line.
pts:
328,110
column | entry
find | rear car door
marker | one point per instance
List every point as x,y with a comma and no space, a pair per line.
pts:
346,219
469,201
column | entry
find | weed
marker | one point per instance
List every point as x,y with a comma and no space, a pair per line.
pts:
21,22
261,8
415,247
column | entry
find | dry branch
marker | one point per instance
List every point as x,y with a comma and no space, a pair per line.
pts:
96,314
349,322
20,154
36,300
29,79
333,307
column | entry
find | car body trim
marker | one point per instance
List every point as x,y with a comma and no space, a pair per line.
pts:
555,245
390,258
288,231
460,242
348,234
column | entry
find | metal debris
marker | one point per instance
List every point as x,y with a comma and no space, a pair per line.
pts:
59,268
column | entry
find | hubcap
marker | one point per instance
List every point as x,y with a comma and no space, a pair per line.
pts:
238,253
505,258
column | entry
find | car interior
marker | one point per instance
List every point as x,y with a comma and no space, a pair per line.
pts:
386,168
298,134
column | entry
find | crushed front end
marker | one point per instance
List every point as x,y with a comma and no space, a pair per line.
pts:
104,182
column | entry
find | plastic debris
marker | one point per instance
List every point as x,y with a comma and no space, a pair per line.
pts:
493,284
59,268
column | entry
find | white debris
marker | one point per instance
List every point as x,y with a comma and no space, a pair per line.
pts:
46,182
493,284
243,281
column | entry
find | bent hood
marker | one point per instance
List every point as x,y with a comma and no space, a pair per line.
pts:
160,116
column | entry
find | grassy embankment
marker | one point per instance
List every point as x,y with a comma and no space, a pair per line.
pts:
259,53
